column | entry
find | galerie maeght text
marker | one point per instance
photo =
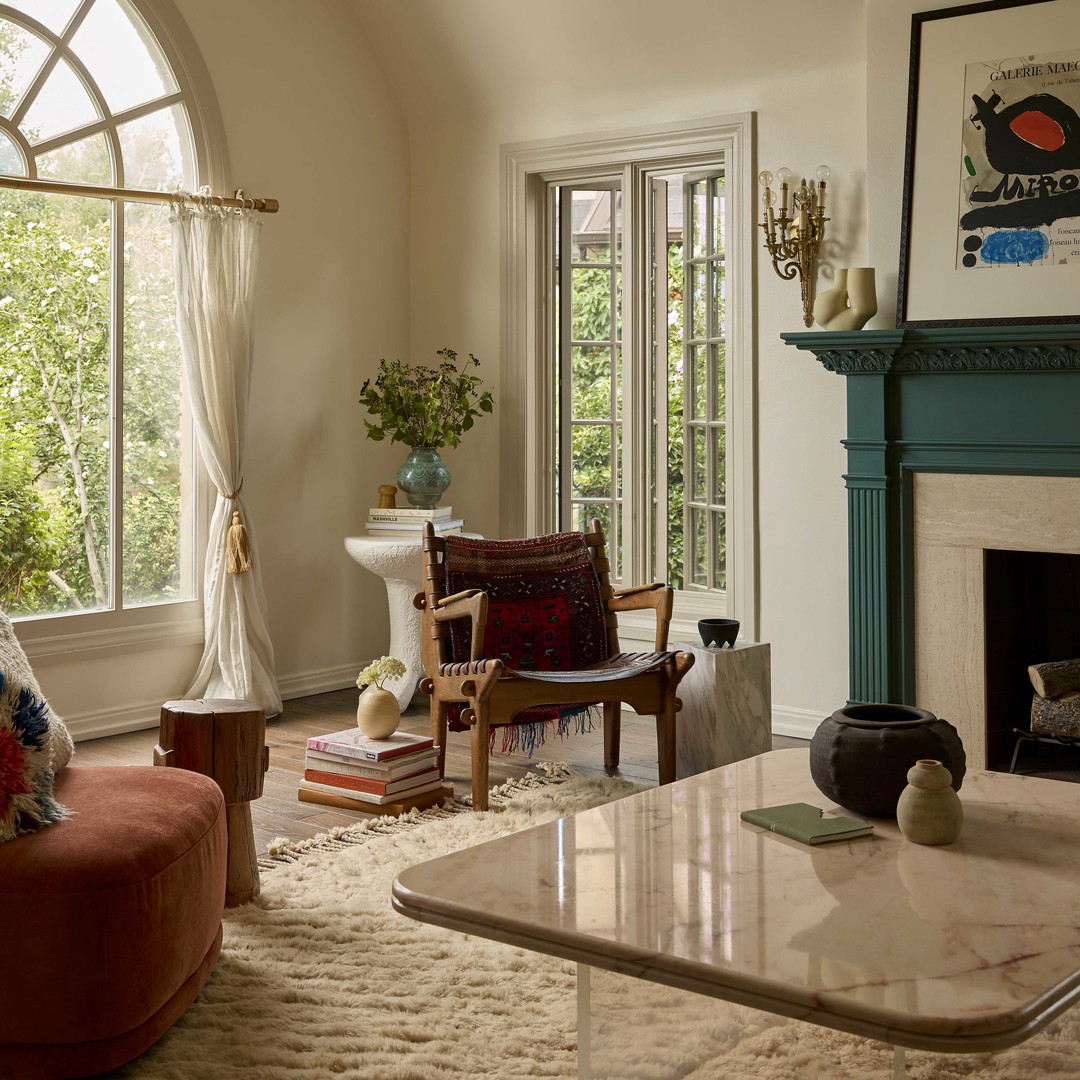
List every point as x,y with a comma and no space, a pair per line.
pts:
1020,167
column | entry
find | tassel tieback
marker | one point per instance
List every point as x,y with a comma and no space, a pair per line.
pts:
237,547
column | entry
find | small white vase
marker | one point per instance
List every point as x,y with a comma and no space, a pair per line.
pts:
929,811
377,713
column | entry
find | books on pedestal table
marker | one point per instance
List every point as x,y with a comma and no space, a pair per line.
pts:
409,513
410,521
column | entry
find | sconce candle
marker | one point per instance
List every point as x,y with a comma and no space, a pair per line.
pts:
794,240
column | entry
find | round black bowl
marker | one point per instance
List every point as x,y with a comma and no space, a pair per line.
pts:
718,632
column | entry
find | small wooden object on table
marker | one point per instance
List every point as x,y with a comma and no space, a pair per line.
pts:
224,739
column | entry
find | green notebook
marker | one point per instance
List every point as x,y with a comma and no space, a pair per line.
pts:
804,823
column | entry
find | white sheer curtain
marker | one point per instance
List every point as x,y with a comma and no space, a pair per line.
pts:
215,252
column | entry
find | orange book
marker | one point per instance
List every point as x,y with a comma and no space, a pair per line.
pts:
372,787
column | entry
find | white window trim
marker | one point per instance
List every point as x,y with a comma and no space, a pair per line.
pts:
526,473
50,639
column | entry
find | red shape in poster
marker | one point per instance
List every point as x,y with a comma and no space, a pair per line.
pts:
1039,130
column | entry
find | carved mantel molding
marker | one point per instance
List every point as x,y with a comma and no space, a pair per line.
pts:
972,349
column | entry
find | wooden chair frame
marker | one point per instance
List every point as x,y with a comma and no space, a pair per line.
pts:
493,694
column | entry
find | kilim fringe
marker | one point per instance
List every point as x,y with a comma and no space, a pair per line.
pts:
283,850
525,738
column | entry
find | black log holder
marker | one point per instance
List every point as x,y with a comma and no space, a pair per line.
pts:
1023,736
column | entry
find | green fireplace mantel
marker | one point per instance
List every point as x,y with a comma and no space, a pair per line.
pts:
980,348
981,399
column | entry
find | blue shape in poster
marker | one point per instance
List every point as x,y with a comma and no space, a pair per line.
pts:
1014,246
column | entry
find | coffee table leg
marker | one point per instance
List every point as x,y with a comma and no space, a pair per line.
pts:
899,1064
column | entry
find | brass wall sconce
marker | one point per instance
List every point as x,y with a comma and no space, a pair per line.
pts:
793,237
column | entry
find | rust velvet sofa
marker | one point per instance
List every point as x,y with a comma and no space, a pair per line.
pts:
110,921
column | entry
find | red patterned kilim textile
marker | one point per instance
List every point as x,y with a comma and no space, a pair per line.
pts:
544,608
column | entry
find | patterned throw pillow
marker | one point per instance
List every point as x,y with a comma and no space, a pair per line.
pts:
26,776
15,666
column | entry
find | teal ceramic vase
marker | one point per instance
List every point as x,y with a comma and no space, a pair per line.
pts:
423,477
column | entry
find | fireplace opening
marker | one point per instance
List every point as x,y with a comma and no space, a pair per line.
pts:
1032,605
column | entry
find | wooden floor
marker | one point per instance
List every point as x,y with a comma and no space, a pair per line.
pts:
279,813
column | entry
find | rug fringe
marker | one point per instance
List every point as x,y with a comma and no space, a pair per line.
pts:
283,850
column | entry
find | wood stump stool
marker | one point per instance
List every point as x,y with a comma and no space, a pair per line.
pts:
225,740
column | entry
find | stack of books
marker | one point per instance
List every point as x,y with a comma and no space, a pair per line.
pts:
409,521
348,770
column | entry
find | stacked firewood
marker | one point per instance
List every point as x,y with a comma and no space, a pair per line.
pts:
1055,708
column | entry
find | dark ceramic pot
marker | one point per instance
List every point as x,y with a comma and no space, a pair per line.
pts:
718,632
860,756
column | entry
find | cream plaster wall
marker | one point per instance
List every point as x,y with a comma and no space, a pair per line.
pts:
309,119
474,74
888,51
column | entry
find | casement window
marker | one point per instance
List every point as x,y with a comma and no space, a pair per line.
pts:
629,355
97,478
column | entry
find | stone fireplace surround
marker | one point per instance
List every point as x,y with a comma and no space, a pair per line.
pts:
959,440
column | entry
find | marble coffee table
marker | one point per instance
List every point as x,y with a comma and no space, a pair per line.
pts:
970,947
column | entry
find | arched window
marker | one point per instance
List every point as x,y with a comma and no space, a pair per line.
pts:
96,475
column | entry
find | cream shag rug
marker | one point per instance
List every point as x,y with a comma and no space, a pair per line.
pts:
320,978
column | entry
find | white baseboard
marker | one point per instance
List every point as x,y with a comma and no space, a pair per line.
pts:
320,680
795,723
97,723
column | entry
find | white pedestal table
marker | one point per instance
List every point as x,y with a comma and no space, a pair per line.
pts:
396,559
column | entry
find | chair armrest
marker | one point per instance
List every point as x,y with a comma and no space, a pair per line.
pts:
658,596
634,589
471,604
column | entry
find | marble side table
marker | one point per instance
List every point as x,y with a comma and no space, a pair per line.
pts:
396,559
727,707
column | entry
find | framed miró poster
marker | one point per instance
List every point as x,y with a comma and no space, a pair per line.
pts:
991,225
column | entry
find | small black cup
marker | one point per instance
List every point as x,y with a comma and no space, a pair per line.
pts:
718,632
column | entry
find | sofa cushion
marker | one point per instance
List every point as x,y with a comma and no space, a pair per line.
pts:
26,776
13,663
106,915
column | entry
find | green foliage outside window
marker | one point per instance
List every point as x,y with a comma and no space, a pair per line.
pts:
592,399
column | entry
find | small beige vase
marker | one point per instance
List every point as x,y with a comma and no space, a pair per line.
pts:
377,713
929,811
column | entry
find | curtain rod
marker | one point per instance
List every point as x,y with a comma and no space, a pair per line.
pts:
62,187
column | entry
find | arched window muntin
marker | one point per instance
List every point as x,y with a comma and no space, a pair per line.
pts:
107,122
187,98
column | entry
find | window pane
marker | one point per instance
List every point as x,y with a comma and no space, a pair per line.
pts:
591,386
719,568
719,411
718,451
699,219
55,409
698,327
21,57
61,105
719,299
591,451
152,148
699,383
698,554
157,550
591,305
697,464
54,14
86,161
591,226
121,54
719,224
11,161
